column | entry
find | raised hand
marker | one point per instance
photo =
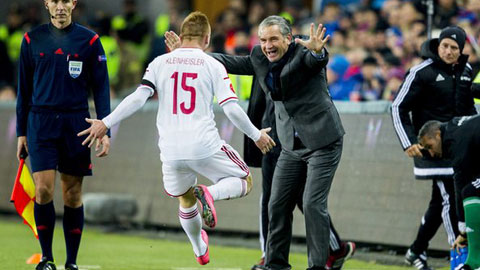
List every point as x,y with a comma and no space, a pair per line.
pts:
317,42
265,143
172,40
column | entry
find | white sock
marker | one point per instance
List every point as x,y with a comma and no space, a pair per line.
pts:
228,188
192,225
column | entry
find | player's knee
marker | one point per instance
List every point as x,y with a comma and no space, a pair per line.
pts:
43,194
188,199
72,198
249,181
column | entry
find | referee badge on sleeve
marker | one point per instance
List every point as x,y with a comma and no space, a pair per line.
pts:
75,68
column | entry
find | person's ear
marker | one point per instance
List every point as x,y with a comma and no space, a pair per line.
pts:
207,40
289,38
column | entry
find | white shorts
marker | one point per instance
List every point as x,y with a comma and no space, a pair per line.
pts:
180,175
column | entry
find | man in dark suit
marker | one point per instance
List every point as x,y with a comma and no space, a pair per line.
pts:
292,73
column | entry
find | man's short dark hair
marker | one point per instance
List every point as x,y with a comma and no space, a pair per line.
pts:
429,129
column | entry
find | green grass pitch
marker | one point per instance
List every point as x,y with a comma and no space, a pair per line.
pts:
110,251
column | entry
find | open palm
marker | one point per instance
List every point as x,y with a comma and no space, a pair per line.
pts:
316,42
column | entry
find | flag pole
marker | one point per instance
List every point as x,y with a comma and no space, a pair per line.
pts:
17,179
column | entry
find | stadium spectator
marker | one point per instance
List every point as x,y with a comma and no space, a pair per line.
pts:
444,13
336,68
256,13
12,32
394,75
372,82
132,30
131,26
7,91
188,139
101,24
32,16
272,7
59,63
229,23
459,140
433,90
169,20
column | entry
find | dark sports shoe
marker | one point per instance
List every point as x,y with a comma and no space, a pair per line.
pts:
209,214
71,266
260,265
46,265
336,261
417,260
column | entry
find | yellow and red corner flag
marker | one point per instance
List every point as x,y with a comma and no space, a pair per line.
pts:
23,195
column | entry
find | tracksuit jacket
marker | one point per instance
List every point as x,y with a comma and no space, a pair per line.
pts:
461,143
432,90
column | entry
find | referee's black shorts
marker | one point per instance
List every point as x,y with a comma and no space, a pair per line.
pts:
53,143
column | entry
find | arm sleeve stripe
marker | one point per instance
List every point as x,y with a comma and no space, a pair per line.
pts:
148,83
227,99
226,78
397,122
93,39
27,38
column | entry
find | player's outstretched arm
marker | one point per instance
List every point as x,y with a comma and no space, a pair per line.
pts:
128,106
240,119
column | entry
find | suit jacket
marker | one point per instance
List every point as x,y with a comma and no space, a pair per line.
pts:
255,111
305,108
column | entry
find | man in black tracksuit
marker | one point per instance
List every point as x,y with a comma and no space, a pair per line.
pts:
459,140
439,88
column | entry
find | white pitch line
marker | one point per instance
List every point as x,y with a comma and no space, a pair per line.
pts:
204,268
82,267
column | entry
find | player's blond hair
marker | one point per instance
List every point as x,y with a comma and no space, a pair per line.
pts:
195,26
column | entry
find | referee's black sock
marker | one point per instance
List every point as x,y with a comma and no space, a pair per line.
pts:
72,229
45,221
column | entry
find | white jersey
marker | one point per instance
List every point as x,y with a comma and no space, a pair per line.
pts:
186,81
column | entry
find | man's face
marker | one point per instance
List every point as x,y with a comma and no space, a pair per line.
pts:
274,45
433,144
449,51
60,10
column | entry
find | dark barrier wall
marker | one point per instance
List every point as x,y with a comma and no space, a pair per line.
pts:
374,197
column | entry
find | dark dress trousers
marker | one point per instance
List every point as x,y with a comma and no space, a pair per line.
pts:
310,131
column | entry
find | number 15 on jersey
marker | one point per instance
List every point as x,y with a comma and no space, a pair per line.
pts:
187,88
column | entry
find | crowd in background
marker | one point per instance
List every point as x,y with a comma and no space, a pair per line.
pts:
372,42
